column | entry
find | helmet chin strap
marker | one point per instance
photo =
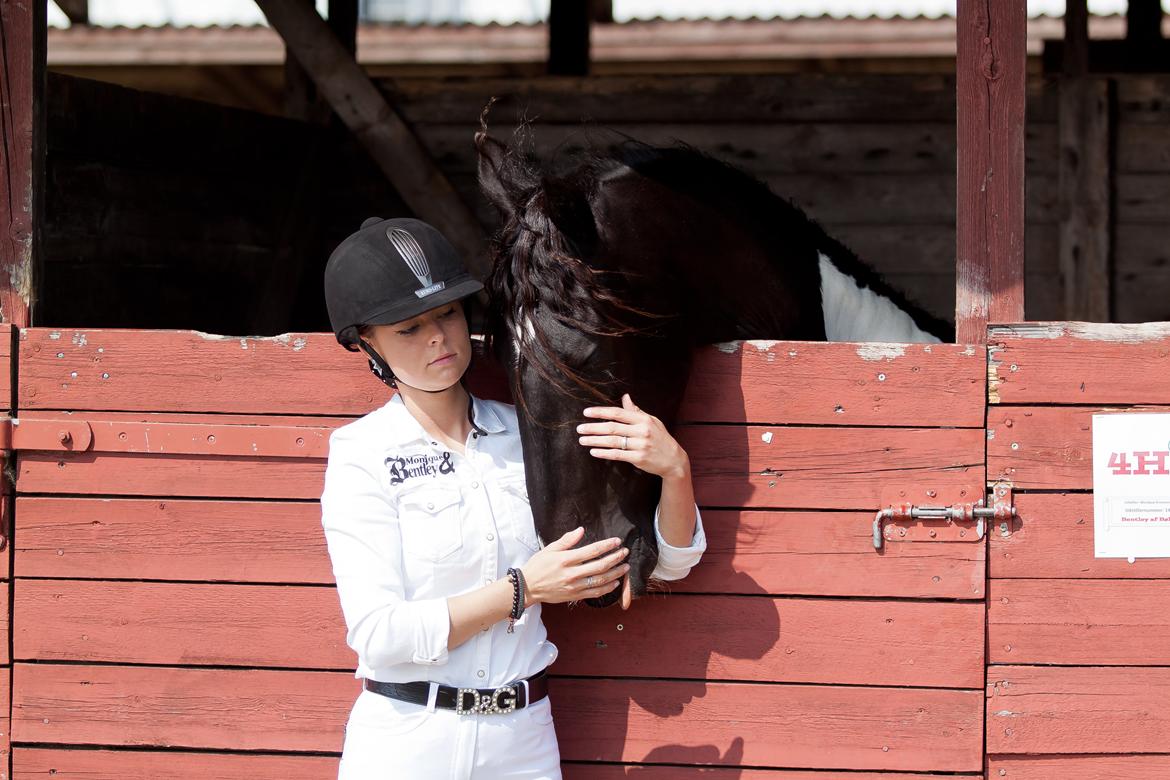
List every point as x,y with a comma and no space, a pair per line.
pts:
382,370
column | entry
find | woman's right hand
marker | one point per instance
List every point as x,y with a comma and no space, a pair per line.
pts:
559,572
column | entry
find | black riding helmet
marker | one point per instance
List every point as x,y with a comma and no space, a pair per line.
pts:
388,271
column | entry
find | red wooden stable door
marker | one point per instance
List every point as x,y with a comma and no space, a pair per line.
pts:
1079,669
175,615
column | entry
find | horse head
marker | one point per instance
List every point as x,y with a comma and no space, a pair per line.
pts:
605,277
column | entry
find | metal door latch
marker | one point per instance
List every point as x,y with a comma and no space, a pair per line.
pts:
946,516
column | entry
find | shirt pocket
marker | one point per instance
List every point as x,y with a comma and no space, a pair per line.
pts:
431,518
518,511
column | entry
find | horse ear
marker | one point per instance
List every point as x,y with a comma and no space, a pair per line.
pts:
493,157
503,176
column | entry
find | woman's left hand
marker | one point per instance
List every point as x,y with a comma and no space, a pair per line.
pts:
634,436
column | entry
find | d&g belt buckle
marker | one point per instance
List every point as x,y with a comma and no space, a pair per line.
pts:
486,704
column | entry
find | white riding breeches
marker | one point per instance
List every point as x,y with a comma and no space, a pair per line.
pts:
387,739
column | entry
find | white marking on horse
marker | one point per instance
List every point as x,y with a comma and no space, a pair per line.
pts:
856,313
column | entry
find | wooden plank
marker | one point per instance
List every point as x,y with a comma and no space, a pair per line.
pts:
872,199
1085,213
29,763
6,719
608,720
1044,448
1141,198
1079,622
735,638
1143,98
778,640
829,468
171,539
781,553
22,53
171,475
1096,709
1053,538
1079,767
1080,363
808,147
251,375
793,467
173,623
1141,148
736,98
991,84
5,628
704,757
826,554
229,709
247,374
7,350
837,384
777,725
239,374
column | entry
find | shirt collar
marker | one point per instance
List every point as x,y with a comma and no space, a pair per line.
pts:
407,430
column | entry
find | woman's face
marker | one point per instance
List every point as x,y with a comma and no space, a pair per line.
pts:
430,351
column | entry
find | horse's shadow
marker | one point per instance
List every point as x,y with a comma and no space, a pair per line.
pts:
666,699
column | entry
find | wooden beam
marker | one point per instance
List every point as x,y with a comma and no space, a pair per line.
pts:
990,84
383,133
1084,176
22,78
301,100
76,10
568,37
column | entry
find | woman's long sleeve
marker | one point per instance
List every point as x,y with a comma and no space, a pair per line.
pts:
365,547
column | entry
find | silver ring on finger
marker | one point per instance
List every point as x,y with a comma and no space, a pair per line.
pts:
625,442
589,581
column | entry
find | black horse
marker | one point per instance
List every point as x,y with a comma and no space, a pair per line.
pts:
608,275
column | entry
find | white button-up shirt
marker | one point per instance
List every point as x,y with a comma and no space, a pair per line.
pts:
409,523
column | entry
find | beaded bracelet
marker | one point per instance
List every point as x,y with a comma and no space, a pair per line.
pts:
517,579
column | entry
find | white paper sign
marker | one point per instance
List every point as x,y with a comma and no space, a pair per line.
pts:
1131,485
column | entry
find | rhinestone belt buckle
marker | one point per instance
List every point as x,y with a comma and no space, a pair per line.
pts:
486,704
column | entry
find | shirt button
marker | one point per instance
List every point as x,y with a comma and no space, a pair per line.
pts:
474,485
479,673
491,537
430,506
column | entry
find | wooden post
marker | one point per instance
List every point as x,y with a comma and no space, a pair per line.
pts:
1143,21
990,71
568,37
301,100
383,133
1084,176
22,84
77,11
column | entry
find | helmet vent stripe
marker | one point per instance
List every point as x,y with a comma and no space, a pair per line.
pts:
412,253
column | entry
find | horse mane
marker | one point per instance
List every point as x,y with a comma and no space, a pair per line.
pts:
538,263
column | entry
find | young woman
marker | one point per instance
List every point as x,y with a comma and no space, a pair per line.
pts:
438,565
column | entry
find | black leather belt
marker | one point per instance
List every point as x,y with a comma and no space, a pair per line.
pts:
468,701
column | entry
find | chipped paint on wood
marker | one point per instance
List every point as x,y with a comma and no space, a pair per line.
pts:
767,437
728,347
993,363
1115,333
880,351
763,345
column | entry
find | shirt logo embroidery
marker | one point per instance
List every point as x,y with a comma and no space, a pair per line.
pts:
404,467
